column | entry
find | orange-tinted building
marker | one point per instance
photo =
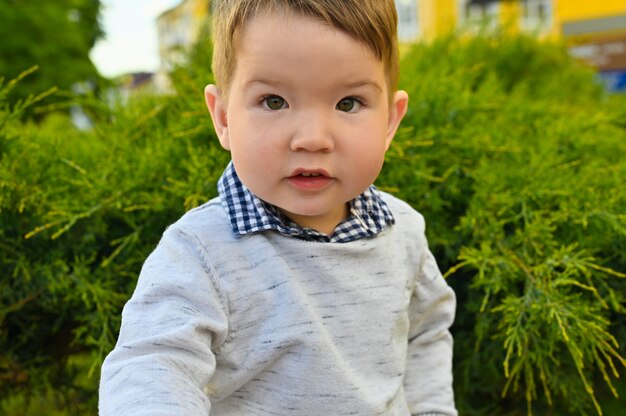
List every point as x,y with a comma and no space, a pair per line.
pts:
596,30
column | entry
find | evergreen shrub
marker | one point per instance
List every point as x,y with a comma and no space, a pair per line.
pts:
510,149
516,158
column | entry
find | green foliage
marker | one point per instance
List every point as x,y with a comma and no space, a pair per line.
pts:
510,149
515,156
54,35
79,213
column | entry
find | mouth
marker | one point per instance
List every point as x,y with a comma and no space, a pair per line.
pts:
310,179
310,173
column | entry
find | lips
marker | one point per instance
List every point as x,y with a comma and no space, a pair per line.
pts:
310,179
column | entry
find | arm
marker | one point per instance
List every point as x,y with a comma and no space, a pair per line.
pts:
428,378
163,358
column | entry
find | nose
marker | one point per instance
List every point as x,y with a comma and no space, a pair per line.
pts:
313,134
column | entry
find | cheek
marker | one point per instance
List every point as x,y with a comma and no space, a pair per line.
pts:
248,138
364,163
254,153
369,145
367,155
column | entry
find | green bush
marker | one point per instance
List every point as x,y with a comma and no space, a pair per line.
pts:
79,213
510,149
515,156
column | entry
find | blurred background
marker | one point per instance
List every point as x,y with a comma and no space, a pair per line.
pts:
513,148
138,43
145,38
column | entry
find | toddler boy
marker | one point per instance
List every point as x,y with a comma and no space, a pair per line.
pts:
301,289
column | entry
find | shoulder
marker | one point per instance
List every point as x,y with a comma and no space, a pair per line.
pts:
206,222
404,214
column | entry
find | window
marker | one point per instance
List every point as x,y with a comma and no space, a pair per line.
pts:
536,15
408,20
478,13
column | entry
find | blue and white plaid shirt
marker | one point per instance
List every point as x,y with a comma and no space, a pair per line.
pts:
249,214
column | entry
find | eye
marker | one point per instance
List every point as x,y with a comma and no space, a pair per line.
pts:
274,102
349,105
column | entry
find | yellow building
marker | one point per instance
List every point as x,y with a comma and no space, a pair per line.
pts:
595,30
600,24
426,19
177,30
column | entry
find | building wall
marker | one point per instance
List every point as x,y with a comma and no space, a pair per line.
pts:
595,30
178,29
568,10
596,34
544,17
438,17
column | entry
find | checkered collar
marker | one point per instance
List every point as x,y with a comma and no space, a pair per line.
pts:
249,214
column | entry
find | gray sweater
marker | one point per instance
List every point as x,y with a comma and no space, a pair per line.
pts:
271,325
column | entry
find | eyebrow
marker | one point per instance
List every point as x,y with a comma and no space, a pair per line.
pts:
350,85
364,83
276,83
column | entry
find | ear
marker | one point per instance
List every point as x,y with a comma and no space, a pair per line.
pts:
217,108
397,110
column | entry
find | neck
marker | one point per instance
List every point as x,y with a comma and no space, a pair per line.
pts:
325,223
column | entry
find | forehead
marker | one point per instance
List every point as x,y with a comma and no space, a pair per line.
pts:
284,43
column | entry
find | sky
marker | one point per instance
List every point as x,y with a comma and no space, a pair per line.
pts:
130,42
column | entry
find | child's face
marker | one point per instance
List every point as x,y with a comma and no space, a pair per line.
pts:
307,117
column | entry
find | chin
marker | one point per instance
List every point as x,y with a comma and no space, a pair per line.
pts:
306,210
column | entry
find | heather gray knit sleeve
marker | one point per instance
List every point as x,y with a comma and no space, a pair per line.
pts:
428,379
163,358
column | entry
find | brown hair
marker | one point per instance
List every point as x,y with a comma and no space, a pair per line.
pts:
372,22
